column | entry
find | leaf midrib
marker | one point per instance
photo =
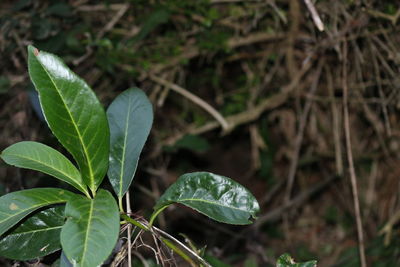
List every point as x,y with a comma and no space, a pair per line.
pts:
86,240
38,230
209,202
124,150
75,126
32,207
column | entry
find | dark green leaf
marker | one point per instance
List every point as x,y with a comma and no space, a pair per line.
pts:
91,231
39,157
130,117
36,237
286,260
16,205
215,196
73,113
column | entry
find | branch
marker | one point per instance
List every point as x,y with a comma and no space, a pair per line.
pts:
251,114
195,99
353,178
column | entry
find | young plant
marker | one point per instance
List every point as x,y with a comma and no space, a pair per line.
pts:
85,223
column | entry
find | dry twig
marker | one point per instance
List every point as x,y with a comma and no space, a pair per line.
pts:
195,99
300,134
314,14
353,177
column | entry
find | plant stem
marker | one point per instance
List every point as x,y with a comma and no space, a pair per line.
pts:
168,238
134,222
121,207
178,251
154,215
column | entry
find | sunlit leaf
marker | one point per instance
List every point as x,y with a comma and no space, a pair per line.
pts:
37,236
39,157
91,231
73,113
16,205
130,117
215,196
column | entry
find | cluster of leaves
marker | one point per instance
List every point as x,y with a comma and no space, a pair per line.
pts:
86,226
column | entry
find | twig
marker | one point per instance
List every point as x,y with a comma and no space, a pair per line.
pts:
232,1
141,258
254,113
387,229
195,99
154,230
122,8
380,90
100,7
21,46
191,51
300,134
294,202
314,14
245,116
353,177
200,259
336,123
129,235
393,18
295,15
114,21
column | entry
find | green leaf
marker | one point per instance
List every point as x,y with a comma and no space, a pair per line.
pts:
37,236
73,113
39,157
286,260
16,205
130,117
215,196
91,231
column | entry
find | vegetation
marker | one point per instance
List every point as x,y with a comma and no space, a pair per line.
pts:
300,105
92,226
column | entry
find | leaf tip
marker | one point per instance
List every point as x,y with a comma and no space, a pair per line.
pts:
34,50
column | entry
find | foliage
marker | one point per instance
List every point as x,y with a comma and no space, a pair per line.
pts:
99,142
286,260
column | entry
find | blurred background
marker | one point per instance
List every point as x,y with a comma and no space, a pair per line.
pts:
260,91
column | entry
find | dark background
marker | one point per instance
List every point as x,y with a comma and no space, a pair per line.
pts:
275,78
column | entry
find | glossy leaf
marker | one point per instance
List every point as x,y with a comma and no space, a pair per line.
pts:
286,260
37,236
130,117
16,205
73,113
39,157
91,231
215,196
